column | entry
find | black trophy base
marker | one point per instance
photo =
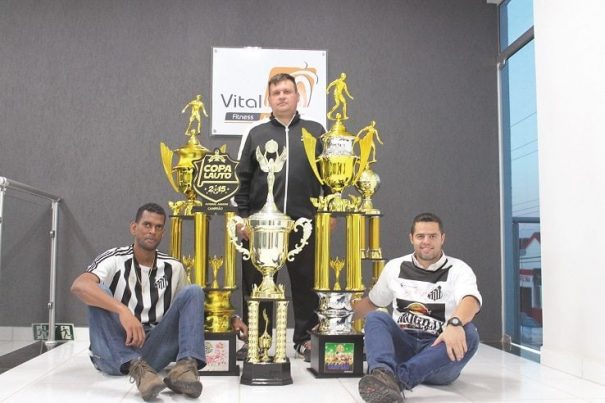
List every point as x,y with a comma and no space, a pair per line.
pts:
266,374
336,356
220,355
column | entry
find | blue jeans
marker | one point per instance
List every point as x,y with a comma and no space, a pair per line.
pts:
180,334
409,354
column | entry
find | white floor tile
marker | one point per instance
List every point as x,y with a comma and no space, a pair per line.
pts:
66,374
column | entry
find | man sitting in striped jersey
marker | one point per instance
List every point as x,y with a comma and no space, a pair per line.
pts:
143,313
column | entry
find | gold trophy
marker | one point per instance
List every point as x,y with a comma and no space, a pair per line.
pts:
342,163
187,177
269,231
367,184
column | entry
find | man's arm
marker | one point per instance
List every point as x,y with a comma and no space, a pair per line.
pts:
244,173
86,288
454,337
467,309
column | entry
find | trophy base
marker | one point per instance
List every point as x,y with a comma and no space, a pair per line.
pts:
336,356
220,355
266,374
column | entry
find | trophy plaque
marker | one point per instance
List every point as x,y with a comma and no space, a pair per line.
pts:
269,231
211,176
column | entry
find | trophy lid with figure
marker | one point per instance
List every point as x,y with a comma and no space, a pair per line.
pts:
181,175
339,164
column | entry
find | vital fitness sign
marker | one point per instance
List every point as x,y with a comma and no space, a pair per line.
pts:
239,85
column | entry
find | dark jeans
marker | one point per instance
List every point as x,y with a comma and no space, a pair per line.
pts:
304,300
409,355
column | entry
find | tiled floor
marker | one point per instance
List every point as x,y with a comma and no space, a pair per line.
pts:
65,374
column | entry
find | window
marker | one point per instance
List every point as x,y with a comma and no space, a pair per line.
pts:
521,202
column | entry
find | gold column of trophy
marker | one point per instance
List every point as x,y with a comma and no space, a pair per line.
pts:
367,185
210,175
343,162
269,231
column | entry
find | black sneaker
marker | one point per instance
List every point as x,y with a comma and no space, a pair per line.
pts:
242,353
304,350
380,386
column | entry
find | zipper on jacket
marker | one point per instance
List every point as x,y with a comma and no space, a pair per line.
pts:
287,131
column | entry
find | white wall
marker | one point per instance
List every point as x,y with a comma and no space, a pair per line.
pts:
570,71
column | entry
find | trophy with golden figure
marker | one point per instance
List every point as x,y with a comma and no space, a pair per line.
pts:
367,185
207,180
343,161
269,233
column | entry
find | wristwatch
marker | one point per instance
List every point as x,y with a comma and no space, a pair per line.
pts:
454,321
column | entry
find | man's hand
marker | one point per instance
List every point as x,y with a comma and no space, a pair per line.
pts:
242,231
361,307
86,288
454,338
135,334
240,328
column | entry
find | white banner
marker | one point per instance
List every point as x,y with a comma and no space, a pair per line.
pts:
239,85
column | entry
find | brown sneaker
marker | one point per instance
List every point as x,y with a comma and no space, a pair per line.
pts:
380,386
148,381
184,378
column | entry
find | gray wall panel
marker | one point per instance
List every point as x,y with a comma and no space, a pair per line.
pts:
88,90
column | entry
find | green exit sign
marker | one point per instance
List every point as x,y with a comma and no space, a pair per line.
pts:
63,331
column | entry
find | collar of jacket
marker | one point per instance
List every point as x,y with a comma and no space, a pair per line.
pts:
276,122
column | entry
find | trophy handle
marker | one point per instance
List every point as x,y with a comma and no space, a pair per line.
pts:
365,148
167,154
310,144
231,225
305,223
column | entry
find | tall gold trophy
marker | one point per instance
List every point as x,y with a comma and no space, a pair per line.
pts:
207,180
337,345
269,233
367,184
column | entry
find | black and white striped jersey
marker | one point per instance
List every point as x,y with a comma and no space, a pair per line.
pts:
148,292
423,299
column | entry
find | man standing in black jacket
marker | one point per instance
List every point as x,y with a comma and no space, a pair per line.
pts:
294,186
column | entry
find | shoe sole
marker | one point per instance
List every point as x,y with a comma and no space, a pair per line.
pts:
373,391
153,393
187,389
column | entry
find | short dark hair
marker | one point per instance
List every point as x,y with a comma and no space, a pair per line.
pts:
426,217
152,208
278,78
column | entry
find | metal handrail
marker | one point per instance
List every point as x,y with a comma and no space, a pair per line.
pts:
6,184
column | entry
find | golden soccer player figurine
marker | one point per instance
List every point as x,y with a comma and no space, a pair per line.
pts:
340,90
195,104
370,130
